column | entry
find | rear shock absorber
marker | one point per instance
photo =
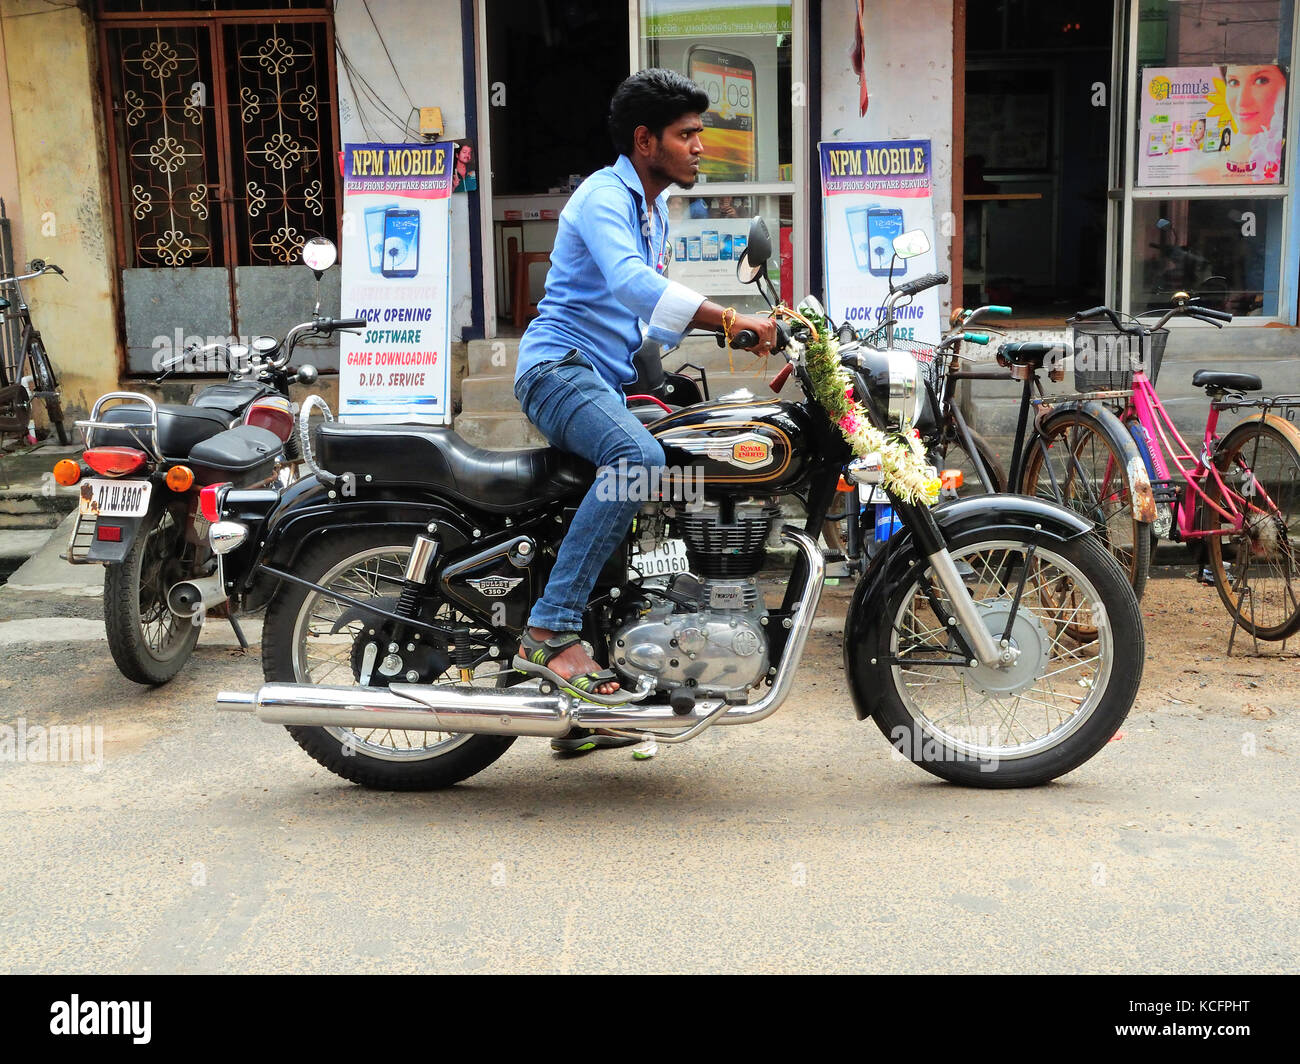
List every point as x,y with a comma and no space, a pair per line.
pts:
423,554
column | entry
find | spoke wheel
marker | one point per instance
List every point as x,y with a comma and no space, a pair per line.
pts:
951,453
313,638
1075,464
149,643
1260,462
1051,705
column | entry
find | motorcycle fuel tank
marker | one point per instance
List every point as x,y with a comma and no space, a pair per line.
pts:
744,443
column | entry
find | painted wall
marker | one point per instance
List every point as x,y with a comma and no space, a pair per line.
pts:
908,60
63,202
423,67
8,163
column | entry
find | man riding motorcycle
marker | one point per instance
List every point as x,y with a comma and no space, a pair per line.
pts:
606,277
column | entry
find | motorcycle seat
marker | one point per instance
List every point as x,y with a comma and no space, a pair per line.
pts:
233,397
1213,378
180,427
436,458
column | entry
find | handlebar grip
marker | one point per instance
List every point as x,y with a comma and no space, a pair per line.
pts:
744,338
1094,312
976,338
778,381
930,280
999,310
1210,312
350,323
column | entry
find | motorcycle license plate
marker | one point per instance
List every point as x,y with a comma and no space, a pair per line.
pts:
870,494
115,498
664,560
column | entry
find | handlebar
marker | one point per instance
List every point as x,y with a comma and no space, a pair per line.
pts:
976,338
38,268
929,280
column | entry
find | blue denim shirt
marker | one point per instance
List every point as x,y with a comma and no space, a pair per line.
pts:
606,276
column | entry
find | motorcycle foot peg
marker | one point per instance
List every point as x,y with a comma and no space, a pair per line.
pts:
683,703
546,687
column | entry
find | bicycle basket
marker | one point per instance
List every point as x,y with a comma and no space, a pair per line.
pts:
1105,358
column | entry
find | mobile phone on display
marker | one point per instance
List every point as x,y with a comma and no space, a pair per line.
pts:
401,243
375,235
724,252
883,224
709,245
857,219
728,137
693,248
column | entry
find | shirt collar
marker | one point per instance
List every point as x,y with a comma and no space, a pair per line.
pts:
627,174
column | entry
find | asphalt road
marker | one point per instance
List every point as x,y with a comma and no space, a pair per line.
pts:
208,842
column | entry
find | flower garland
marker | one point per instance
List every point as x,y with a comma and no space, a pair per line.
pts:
906,472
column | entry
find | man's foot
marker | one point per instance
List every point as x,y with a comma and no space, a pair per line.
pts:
570,662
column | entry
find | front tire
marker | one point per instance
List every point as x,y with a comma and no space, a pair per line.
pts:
149,643
1045,715
299,645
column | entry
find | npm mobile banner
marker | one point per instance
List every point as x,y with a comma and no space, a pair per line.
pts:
396,271
870,194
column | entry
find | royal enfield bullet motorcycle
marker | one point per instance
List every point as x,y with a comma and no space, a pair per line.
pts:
149,477
407,565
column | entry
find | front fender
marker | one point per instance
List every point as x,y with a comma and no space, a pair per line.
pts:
994,516
1136,467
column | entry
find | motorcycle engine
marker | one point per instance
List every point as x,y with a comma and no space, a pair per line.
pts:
709,637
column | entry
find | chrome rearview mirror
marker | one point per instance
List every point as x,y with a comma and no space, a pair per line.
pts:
910,244
319,254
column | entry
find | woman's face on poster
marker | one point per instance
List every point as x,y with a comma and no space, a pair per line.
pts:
1253,95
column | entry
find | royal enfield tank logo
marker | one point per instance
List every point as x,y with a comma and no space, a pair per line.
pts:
495,586
751,452
748,451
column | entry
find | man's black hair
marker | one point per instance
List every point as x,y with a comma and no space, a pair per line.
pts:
653,98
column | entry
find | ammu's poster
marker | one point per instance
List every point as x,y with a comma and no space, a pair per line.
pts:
396,248
872,192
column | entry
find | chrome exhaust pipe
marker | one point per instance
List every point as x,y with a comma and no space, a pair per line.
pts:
409,707
191,599
520,711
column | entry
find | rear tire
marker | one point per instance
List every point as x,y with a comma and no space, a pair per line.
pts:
149,643
1269,551
355,564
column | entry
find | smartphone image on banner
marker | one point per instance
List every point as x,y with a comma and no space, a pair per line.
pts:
709,245
738,245
375,234
857,219
724,252
681,249
883,224
693,248
728,137
401,243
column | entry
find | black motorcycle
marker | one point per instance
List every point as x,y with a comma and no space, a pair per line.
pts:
149,478
407,565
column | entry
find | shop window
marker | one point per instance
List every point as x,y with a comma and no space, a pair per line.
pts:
741,55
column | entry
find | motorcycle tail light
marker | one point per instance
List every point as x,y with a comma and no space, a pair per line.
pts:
66,472
115,461
271,413
210,502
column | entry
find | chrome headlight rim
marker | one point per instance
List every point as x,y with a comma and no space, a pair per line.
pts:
906,388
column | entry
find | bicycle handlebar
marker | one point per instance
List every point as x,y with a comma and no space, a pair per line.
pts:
929,280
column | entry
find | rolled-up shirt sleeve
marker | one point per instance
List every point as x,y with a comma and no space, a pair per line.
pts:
666,306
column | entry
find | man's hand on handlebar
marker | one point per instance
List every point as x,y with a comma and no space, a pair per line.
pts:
761,326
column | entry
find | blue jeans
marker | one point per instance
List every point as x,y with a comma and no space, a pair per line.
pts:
577,411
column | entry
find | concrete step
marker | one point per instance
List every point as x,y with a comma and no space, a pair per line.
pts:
29,521
498,431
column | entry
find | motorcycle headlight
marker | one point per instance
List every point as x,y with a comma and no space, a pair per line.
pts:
895,384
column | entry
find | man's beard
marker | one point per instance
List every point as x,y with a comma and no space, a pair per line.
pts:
659,173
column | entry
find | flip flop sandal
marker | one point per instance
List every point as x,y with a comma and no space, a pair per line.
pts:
542,652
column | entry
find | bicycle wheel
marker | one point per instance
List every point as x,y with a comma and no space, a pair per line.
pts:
950,452
1260,461
47,385
1074,461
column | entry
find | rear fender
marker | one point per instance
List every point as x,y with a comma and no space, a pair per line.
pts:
1136,469
993,516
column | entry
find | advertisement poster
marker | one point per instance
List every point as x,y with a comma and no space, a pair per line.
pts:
705,253
396,254
870,194
1212,125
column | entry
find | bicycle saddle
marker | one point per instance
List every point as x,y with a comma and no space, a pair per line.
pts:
1028,352
1213,378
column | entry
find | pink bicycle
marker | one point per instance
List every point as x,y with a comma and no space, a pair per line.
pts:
1240,494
